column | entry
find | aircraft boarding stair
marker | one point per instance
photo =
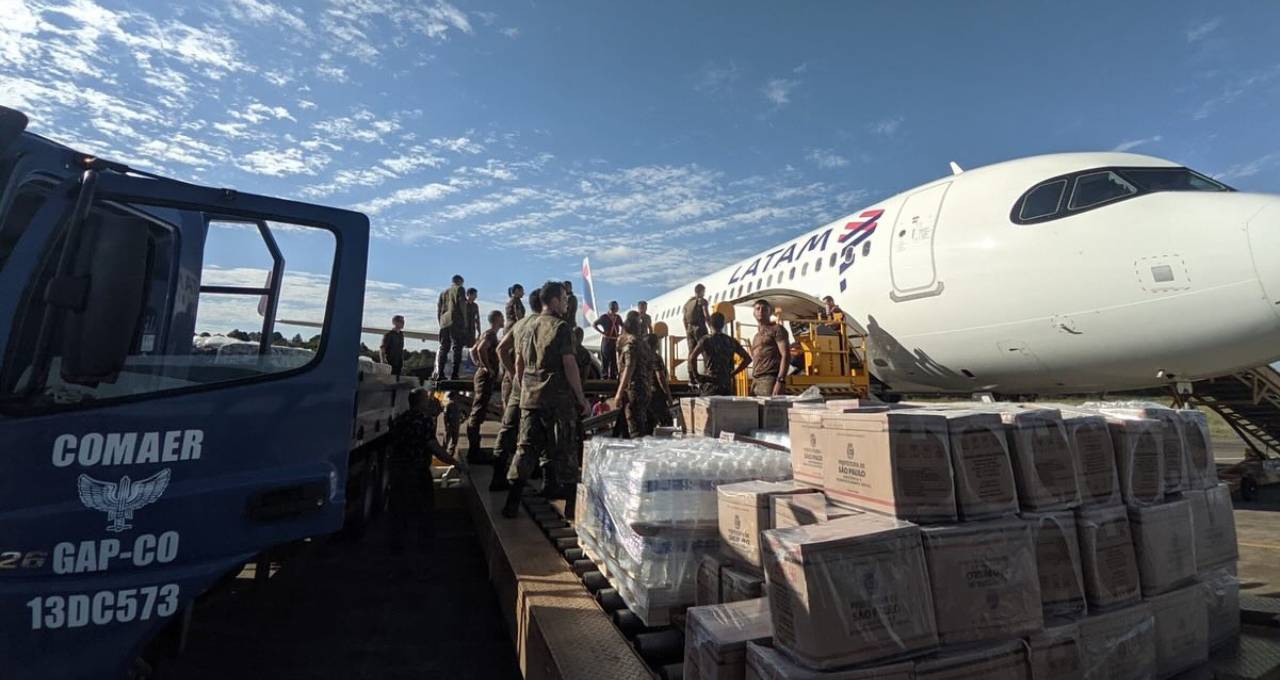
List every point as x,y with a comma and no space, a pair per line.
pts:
1250,403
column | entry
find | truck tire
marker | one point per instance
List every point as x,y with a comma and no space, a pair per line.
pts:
1248,489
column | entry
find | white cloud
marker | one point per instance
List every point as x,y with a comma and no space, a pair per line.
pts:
1135,143
886,126
715,78
306,105
416,158
362,126
1235,88
1199,31
258,112
826,158
511,32
1249,168
458,145
283,163
421,194
262,12
778,90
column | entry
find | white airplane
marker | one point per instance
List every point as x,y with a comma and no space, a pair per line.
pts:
1080,272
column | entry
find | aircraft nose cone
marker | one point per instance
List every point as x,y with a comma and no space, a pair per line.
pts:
1264,245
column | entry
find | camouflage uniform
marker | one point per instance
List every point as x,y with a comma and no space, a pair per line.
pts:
695,321
482,391
452,312
515,311
547,413
510,407
720,350
634,354
410,496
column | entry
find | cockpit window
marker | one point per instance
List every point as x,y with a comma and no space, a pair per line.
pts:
1172,179
1098,187
1043,200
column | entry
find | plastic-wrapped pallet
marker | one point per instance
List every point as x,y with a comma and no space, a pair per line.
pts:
1202,469
767,663
803,509
997,661
782,438
1164,545
716,637
850,591
1058,563
1175,471
653,512
1119,645
1055,653
1107,558
744,512
1095,459
1043,463
713,415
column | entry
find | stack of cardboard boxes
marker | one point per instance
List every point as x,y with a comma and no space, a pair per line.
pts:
995,541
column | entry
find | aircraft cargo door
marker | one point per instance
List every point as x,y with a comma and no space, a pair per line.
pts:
911,262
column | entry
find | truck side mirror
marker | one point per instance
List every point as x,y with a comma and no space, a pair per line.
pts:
108,281
12,123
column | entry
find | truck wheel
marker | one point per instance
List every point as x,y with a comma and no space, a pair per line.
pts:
1248,489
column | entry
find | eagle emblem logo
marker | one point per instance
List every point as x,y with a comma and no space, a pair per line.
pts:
120,499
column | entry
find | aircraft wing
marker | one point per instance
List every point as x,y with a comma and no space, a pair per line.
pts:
417,335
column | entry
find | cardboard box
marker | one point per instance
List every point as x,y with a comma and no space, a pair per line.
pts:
766,663
1043,464
1119,645
686,413
980,463
1172,446
1213,522
707,580
850,591
893,462
1202,468
1182,630
804,508
743,510
774,413
806,446
1058,564
738,584
1095,460
1139,459
1055,653
1003,661
716,637
1164,545
713,415
1221,592
984,580
1107,557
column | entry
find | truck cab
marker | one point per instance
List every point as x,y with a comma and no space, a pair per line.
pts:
138,467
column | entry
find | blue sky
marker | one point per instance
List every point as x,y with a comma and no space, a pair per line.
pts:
506,141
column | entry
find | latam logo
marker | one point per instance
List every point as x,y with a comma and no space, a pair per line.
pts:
854,234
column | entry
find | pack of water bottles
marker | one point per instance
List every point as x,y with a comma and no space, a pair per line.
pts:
648,511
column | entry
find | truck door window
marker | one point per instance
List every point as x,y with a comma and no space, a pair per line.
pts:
202,315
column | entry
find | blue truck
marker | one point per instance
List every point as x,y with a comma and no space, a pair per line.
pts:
138,468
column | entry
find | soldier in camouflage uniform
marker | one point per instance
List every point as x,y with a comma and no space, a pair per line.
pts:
485,356
695,318
550,392
719,349
660,401
570,314
510,395
515,308
635,386
414,444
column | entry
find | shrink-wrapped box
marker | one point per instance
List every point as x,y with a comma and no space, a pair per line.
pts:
1182,630
892,462
713,415
1213,521
805,508
1172,448
1055,653
1043,464
766,663
997,661
980,462
716,637
1164,545
738,583
774,412
984,580
1202,469
707,584
1095,459
849,591
1107,558
744,512
1139,459
1119,645
1058,563
1221,592
806,445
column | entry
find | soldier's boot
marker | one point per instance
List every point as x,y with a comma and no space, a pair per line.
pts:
476,455
511,509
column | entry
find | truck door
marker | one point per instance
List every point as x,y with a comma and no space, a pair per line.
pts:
911,260
138,461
